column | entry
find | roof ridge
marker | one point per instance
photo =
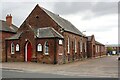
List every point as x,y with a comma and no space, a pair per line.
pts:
56,32
62,22
5,27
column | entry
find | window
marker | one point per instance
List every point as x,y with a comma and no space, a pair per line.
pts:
75,46
68,45
12,48
85,47
60,41
46,48
39,47
101,48
96,48
80,46
17,47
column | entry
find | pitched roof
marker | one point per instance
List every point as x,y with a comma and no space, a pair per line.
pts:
14,37
47,32
89,38
96,42
65,24
5,27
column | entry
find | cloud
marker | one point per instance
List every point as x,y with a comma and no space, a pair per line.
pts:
98,18
21,10
66,8
102,8
91,9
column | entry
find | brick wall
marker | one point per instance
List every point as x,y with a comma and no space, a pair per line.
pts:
4,35
72,55
43,20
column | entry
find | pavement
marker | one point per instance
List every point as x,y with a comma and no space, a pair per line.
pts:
105,67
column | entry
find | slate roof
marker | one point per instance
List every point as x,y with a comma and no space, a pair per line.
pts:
47,32
14,37
5,27
89,38
96,42
65,24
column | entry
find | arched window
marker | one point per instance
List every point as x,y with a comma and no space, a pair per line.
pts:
12,48
60,41
75,46
96,48
17,47
39,47
81,46
68,45
46,48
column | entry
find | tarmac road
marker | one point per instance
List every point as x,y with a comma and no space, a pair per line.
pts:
9,73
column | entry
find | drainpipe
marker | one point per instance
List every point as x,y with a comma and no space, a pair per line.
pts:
36,49
6,51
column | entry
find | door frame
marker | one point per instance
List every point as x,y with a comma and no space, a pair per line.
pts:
26,52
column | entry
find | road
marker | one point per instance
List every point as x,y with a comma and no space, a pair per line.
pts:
106,67
26,74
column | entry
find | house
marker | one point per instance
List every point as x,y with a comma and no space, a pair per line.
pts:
7,29
95,49
113,48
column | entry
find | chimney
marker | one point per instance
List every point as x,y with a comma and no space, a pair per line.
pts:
9,20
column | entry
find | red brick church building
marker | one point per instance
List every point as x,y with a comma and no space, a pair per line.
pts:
45,37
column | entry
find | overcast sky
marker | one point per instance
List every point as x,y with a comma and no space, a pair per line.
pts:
95,17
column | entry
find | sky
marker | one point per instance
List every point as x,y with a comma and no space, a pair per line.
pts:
98,17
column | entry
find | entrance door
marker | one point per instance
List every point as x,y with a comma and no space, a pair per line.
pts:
28,52
94,49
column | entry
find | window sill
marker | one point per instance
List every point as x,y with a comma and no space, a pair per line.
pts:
46,54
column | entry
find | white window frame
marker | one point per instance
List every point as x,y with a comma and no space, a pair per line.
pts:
12,48
75,46
81,46
68,45
96,48
60,41
46,48
17,47
39,47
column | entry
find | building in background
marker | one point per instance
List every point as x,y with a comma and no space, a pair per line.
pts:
95,49
113,49
7,29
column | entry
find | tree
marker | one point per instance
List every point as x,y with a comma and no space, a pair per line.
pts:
109,49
